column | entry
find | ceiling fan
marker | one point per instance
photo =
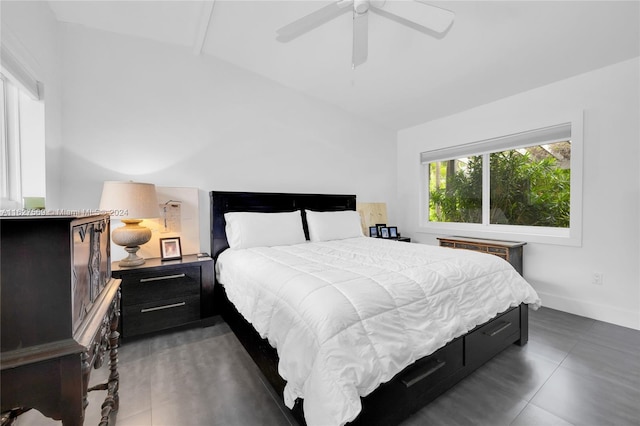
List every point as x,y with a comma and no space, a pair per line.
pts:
420,16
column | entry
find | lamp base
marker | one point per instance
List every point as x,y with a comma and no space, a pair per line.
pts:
131,237
132,259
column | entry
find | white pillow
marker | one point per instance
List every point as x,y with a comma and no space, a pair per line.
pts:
249,229
325,226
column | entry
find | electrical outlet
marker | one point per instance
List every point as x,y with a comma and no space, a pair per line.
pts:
597,278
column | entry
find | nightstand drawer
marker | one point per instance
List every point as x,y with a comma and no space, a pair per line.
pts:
160,315
161,285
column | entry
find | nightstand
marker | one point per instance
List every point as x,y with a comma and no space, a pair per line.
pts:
161,295
403,239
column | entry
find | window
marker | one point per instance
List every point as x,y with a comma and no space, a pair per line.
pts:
22,148
10,190
455,190
518,185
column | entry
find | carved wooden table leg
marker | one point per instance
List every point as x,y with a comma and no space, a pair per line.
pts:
112,401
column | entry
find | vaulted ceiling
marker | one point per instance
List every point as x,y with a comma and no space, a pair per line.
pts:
494,48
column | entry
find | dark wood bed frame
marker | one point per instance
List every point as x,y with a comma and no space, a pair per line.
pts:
412,388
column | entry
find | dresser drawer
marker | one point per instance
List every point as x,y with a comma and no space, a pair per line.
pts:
159,315
498,250
473,247
486,341
160,286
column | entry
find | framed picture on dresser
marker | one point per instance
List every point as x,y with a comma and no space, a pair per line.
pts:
170,248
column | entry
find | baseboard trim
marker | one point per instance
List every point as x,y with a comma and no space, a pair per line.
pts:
623,317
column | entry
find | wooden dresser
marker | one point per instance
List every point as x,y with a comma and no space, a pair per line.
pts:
60,310
511,251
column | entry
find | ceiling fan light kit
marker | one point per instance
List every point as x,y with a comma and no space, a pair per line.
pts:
423,17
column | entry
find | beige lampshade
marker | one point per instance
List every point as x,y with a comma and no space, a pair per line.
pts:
130,200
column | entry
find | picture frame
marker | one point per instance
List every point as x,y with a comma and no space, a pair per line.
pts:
384,232
393,232
379,227
170,248
373,232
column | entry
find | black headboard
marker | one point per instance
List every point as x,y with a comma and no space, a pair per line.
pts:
267,202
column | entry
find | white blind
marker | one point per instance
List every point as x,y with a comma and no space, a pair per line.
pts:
560,132
19,74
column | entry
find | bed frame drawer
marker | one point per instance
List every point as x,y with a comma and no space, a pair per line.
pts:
434,368
415,386
489,339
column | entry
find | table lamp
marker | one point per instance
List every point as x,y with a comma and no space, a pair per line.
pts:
131,202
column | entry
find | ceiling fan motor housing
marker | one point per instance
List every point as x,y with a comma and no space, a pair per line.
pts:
360,6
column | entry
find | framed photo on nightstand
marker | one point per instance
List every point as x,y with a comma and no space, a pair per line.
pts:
170,248
393,232
373,232
384,232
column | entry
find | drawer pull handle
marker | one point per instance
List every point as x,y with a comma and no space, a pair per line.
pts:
159,308
416,377
165,277
498,329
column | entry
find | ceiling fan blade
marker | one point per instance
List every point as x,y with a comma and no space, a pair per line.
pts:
360,38
311,21
420,16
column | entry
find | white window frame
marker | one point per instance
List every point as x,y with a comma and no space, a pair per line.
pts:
571,236
16,71
10,156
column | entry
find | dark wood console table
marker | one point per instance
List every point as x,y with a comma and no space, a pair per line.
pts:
60,313
511,251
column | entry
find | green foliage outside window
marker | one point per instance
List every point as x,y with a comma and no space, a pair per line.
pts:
529,186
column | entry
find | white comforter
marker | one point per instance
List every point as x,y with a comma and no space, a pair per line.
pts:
347,315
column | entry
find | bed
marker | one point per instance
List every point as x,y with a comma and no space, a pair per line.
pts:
350,357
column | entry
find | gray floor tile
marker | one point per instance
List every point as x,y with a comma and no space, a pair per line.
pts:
141,419
169,340
605,364
614,336
585,400
471,402
133,350
536,347
536,416
135,388
516,372
556,329
560,322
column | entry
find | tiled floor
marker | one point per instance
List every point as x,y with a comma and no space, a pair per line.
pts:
574,370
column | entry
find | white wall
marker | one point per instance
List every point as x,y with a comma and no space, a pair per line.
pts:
141,110
610,98
31,31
